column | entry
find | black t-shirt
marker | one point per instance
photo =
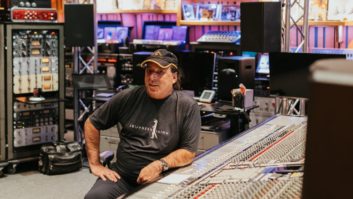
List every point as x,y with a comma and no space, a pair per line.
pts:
151,128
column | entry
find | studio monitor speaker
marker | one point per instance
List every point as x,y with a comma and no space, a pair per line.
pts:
261,26
79,25
328,163
231,72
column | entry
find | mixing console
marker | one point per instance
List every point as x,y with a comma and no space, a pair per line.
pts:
220,37
264,162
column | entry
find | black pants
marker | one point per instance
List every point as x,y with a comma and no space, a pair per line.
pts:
109,189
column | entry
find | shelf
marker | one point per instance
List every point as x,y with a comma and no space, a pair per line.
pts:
329,23
326,23
348,23
141,11
209,23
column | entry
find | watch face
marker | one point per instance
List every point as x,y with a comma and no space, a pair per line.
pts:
165,168
164,165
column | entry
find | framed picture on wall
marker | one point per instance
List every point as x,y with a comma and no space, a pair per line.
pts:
107,6
318,10
188,12
209,11
340,10
130,5
230,13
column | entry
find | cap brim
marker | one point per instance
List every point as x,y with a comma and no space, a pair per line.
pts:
160,62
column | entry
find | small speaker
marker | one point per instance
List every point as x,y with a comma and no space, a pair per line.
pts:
261,26
79,25
231,72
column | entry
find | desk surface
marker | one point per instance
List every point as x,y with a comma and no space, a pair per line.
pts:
222,108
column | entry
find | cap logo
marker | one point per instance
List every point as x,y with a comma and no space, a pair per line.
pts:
157,53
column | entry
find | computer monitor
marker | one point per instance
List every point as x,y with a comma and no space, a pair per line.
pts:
165,31
151,32
91,81
289,72
180,33
197,70
111,32
263,65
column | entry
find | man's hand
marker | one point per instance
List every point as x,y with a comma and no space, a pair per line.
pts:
150,173
104,173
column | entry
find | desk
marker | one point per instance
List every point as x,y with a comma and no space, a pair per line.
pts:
239,120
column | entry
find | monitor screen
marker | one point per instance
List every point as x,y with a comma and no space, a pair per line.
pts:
180,33
151,32
263,66
164,31
197,70
289,72
165,34
111,32
91,81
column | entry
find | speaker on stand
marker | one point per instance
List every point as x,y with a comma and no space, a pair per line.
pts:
79,25
261,26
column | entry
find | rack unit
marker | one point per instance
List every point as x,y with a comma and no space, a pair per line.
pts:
34,67
2,98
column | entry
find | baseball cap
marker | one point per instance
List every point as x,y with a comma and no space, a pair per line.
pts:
163,58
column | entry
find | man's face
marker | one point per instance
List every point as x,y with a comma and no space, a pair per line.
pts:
158,81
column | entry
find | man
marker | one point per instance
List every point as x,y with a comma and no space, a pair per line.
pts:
160,130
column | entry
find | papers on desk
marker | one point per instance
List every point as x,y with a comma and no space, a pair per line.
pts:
104,94
174,179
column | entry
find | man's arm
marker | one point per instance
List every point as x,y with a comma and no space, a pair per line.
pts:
92,138
177,158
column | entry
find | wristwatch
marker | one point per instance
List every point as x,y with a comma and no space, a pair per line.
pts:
164,165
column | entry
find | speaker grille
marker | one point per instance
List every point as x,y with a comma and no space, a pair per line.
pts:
79,25
261,26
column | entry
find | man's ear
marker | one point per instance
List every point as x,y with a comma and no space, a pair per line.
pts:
175,77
